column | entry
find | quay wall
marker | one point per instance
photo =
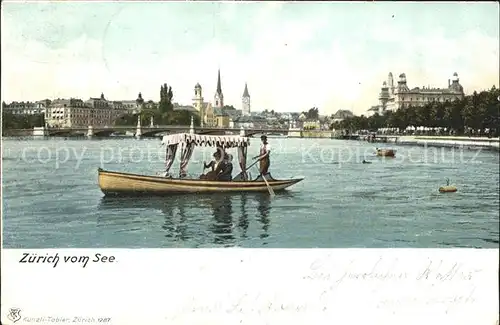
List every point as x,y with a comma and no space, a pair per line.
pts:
452,142
309,134
324,134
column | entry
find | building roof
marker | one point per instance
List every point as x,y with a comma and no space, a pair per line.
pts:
219,86
233,112
220,112
245,92
244,119
433,91
185,108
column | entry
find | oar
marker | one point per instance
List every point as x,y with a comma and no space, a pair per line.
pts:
251,166
269,188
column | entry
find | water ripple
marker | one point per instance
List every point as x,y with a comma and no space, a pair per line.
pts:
341,202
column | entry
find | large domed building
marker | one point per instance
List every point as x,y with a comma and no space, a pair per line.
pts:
393,97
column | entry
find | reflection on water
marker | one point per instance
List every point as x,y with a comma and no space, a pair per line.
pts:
225,217
264,209
243,219
56,203
222,219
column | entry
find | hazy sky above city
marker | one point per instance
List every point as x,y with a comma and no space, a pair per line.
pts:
292,55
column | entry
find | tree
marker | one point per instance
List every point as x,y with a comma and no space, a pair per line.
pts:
126,120
471,112
438,113
166,96
183,118
21,121
478,111
312,114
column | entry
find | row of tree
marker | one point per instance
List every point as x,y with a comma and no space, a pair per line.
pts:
479,111
21,121
312,113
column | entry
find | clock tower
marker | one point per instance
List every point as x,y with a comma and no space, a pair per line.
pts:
246,102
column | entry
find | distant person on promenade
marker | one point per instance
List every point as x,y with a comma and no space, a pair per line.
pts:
263,157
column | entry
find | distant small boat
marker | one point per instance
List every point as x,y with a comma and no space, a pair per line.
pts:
386,152
447,189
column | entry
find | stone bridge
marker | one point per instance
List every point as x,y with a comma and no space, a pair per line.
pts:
147,131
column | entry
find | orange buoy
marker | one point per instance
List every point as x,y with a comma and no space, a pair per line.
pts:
447,189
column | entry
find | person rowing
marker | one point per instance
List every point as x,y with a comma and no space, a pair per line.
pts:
263,157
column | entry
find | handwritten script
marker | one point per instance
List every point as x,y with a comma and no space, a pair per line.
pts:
384,283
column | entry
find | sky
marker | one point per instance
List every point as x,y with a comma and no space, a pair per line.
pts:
293,56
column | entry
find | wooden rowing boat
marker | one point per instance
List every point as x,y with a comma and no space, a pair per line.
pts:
386,152
118,183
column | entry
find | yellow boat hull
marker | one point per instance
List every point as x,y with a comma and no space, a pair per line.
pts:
117,183
447,189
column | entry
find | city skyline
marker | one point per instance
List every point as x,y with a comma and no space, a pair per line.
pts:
293,56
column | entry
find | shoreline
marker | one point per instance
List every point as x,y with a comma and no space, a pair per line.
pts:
448,142
463,142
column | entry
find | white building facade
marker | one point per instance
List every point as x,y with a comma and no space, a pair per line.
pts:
392,97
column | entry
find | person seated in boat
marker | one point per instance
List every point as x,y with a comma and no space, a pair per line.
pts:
212,175
224,169
213,163
263,157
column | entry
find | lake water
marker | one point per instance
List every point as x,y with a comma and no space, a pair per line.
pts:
51,198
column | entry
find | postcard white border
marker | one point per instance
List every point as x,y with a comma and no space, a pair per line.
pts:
255,286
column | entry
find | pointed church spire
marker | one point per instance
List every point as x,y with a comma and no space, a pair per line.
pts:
219,87
245,92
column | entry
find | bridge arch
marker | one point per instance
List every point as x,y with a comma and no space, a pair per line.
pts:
250,133
104,133
60,133
152,133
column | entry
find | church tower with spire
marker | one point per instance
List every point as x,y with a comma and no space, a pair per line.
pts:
245,110
219,97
